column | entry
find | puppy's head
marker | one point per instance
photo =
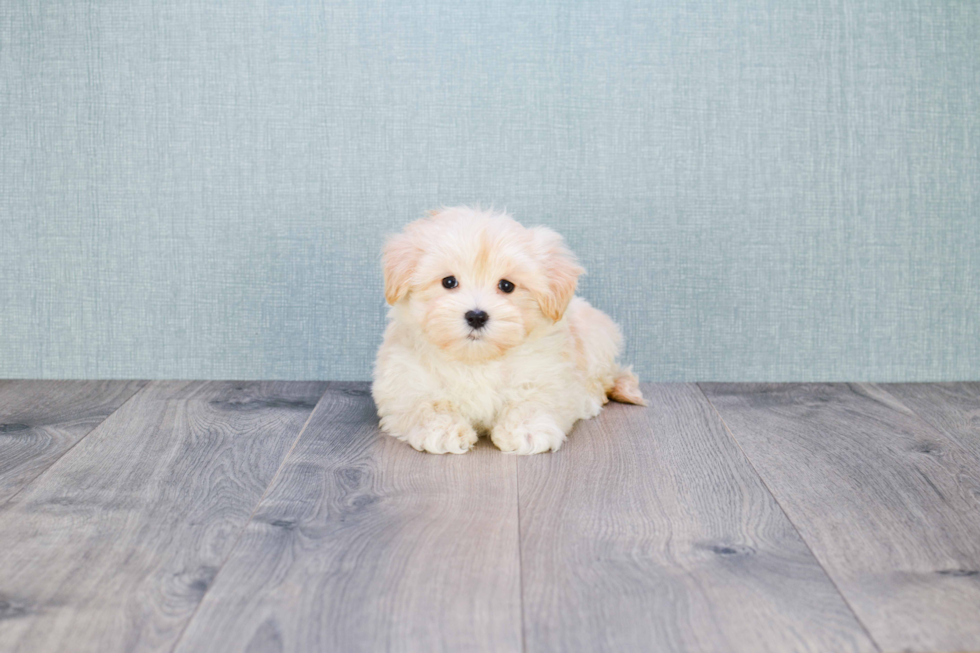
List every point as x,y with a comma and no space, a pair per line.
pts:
477,282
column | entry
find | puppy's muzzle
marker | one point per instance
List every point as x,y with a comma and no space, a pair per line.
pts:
476,319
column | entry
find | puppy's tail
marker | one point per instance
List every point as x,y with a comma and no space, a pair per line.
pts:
626,388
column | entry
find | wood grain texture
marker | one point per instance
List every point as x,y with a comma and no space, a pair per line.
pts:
363,544
649,531
41,420
952,408
889,505
114,549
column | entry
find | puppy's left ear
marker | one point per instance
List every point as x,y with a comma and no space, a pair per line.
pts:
401,254
560,269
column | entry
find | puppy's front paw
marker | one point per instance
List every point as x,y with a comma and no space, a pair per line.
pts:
442,434
527,434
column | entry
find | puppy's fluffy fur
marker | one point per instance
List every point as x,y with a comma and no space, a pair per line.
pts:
543,360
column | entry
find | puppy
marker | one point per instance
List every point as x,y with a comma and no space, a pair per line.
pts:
485,335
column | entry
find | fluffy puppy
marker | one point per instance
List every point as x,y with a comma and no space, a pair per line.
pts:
485,335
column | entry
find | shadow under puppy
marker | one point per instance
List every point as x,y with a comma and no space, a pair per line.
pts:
485,335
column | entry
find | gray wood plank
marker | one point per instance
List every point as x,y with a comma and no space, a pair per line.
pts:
649,531
952,408
114,546
889,505
364,544
41,420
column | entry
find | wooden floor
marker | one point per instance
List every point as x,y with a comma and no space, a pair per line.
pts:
273,516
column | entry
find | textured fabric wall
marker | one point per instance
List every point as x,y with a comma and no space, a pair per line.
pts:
760,189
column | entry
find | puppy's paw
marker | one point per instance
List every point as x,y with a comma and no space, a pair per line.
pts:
527,434
442,434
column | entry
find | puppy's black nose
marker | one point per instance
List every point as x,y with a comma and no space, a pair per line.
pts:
476,319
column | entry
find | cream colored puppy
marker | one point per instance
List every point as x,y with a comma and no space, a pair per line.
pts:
485,335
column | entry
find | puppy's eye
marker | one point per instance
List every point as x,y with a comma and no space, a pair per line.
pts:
449,283
506,286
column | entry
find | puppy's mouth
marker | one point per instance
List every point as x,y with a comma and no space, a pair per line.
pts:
474,336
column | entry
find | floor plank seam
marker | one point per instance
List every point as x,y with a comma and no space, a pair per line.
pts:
54,462
241,533
520,551
873,641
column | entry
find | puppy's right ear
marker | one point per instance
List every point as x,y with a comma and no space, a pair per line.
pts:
401,254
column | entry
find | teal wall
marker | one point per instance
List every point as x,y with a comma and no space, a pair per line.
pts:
760,189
